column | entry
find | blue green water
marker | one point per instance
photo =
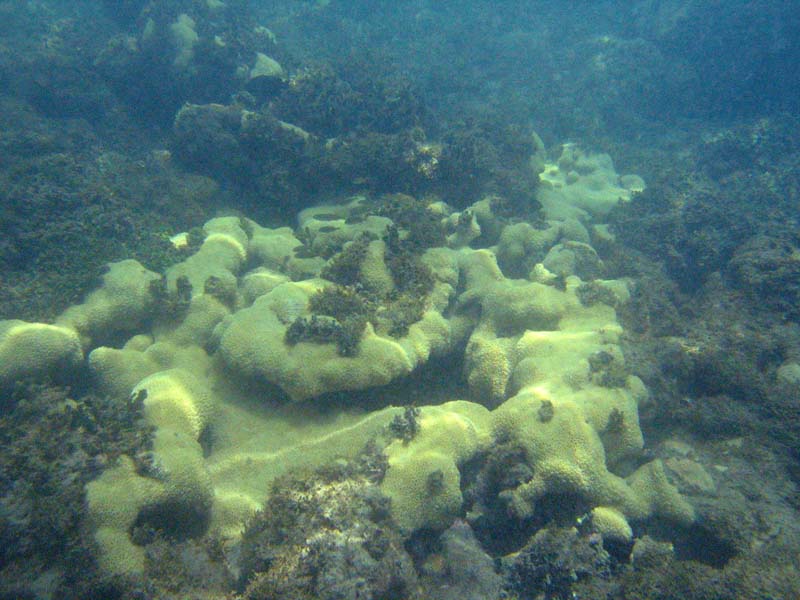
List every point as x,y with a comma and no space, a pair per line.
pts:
432,299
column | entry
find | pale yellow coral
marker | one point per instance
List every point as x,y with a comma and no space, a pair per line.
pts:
178,406
220,257
252,343
122,303
611,524
572,410
584,185
567,457
117,371
36,349
422,479
488,368
185,38
115,499
657,496
374,273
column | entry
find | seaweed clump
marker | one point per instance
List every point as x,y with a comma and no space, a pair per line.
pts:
172,305
350,309
338,301
340,312
345,267
410,275
326,535
413,281
607,370
488,156
332,104
402,313
323,330
406,426
559,564
311,328
53,444
423,226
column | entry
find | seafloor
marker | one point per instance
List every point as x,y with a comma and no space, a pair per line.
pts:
385,300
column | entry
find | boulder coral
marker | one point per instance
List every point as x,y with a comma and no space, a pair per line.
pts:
36,349
171,488
581,185
234,400
423,480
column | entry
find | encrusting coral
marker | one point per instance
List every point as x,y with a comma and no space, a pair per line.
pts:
230,382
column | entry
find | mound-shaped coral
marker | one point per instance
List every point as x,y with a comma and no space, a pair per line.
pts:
363,295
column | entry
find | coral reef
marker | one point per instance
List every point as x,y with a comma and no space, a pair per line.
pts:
472,368
526,345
